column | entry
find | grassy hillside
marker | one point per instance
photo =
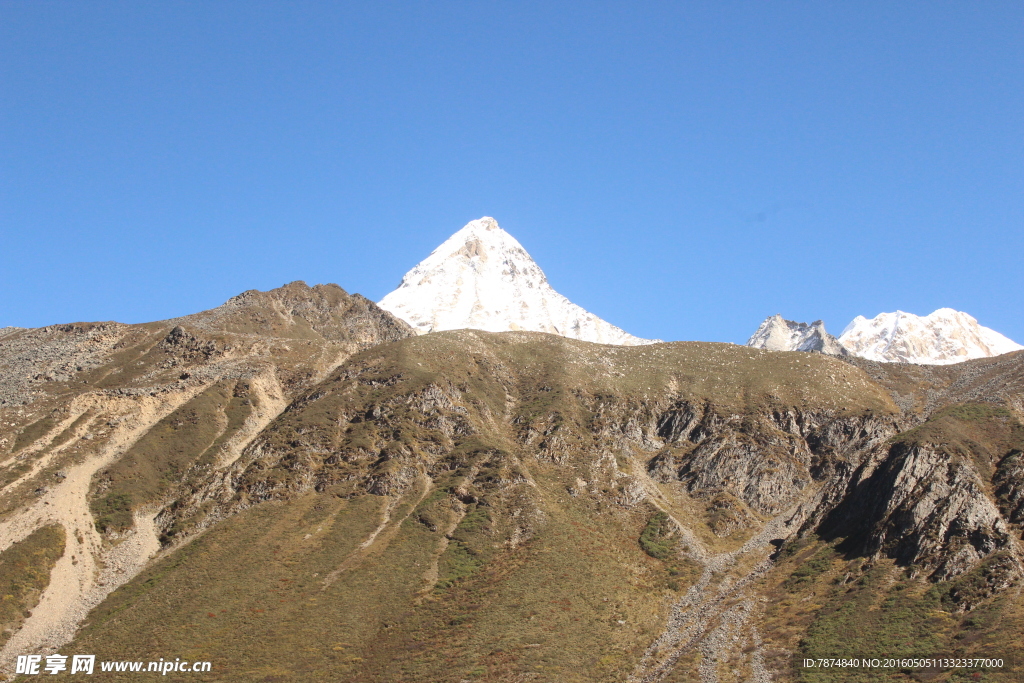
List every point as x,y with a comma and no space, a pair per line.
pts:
24,574
471,506
467,506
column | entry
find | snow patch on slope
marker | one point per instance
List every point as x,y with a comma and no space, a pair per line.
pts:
482,278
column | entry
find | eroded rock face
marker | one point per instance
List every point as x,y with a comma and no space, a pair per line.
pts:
1009,486
922,507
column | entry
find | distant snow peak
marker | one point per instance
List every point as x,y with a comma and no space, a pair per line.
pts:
943,337
482,278
779,334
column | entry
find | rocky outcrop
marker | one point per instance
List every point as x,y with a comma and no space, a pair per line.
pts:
923,508
189,348
1009,486
778,334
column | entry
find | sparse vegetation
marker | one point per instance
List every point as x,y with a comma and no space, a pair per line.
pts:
873,620
35,431
657,538
24,574
807,571
113,512
159,460
458,562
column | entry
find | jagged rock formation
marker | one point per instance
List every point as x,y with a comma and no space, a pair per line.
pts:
942,337
778,334
336,498
481,278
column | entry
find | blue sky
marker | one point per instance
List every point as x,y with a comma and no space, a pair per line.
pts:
681,169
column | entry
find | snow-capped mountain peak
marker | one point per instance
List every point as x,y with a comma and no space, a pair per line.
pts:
482,278
474,246
940,338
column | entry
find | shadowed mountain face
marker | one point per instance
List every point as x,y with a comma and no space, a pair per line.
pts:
295,488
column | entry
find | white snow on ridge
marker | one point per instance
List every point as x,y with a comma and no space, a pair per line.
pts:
941,338
482,278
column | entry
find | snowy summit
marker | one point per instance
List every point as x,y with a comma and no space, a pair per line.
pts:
482,278
943,337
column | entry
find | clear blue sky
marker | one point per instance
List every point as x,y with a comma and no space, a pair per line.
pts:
681,169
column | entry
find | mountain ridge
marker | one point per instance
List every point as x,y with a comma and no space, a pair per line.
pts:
943,337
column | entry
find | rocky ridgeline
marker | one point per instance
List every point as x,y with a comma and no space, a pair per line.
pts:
298,311
779,334
942,338
57,353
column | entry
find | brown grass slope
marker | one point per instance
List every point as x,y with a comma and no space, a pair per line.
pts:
24,574
483,506
524,507
103,424
290,336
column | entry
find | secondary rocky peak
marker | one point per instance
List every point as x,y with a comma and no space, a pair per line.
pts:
940,338
779,334
482,278
296,310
